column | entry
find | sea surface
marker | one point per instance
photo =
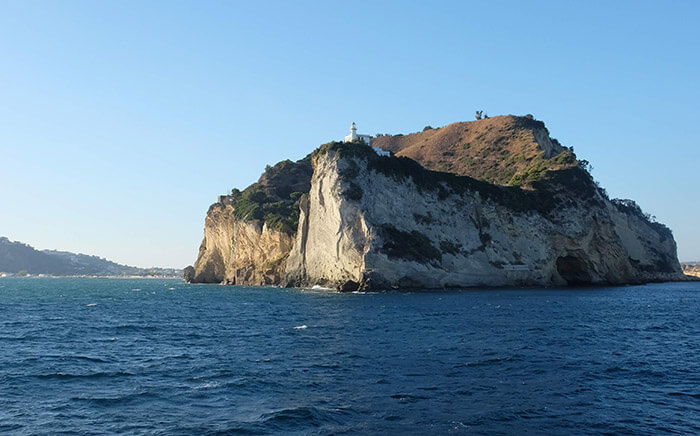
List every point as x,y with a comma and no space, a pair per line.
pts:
110,356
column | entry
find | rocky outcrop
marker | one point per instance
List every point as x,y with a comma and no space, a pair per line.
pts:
239,252
347,218
188,274
375,222
248,234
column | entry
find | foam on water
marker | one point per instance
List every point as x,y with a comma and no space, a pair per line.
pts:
321,288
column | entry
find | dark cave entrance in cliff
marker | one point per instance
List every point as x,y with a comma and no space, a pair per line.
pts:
574,270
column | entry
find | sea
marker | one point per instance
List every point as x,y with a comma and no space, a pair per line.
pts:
160,357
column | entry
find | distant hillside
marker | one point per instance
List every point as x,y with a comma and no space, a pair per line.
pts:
18,257
505,150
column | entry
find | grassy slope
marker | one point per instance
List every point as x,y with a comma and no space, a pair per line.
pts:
501,150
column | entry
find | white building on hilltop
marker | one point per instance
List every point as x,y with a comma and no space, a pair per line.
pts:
354,136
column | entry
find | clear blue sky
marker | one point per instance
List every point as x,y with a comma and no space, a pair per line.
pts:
121,121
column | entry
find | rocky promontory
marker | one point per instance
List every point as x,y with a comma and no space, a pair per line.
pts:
494,202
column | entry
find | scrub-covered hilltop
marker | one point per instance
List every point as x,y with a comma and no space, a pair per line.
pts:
493,202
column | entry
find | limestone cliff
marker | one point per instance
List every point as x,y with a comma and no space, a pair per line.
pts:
374,222
248,234
236,251
350,219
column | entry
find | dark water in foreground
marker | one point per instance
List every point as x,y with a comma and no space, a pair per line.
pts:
95,356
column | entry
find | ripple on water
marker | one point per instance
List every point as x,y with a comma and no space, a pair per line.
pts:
94,375
229,360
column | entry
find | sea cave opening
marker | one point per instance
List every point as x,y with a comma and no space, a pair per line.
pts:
574,270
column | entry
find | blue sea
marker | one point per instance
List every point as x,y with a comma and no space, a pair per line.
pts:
110,356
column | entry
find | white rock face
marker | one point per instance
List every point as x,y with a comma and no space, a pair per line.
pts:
363,229
332,237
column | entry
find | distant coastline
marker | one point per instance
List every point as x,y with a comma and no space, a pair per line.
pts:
21,260
45,276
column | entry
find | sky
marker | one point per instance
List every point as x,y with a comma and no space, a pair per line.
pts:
121,121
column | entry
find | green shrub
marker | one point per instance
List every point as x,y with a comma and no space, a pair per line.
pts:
423,219
351,171
274,199
353,192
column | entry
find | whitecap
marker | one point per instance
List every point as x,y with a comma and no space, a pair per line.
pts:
300,327
171,289
320,288
208,385
91,305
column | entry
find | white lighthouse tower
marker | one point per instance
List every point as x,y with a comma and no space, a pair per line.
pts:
354,136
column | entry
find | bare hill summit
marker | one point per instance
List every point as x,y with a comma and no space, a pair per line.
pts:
505,150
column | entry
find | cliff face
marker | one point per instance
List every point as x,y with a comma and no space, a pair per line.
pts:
240,252
368,229
349,219
248,234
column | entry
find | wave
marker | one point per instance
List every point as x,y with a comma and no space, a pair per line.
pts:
119,399
300,417
683,394
67,357
408,398
95,375
492,361
321,288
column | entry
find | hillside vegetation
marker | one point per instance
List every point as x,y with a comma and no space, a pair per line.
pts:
504,150
274,198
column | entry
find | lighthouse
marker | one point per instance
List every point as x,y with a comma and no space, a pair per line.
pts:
354,136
